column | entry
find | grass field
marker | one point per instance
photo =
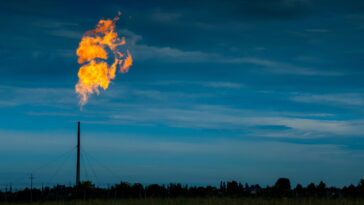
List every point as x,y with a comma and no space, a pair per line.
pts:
204,201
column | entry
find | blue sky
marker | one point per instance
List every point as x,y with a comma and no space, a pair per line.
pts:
238,90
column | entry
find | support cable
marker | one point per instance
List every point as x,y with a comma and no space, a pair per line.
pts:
59,168
89,163
110,171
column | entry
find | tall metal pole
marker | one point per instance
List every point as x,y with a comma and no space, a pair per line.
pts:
78,156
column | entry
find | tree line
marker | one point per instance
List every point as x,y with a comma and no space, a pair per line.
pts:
87,190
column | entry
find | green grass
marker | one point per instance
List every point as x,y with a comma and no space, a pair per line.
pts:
204,201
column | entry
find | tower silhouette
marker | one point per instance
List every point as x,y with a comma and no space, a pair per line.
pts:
78,155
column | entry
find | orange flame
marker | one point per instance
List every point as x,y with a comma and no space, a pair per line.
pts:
93,51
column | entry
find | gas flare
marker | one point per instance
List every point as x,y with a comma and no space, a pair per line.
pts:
94,52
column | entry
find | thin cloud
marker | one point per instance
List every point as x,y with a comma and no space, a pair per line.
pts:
317,30
53,97
282,68
213,84
219,117
191,116
168,54
67,33
336,99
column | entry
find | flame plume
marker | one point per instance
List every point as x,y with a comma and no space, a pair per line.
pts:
93,52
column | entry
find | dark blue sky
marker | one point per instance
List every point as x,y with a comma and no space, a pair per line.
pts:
244,90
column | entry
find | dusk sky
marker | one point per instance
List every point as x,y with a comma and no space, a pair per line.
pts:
218,90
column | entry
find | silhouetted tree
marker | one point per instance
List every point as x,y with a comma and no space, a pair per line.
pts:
321,189
222,187
86,190
155,190
298,191
232,188
283,187
138,190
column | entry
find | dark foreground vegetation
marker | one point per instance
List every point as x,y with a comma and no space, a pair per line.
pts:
227,193
204,201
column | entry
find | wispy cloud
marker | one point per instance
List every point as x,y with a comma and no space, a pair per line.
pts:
67,33
168,54
54,97
161,16
145,52
317,30
223,85
338,99
213,84
282,68
219,117
147,110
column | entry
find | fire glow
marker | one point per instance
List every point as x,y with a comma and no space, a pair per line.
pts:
95,49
